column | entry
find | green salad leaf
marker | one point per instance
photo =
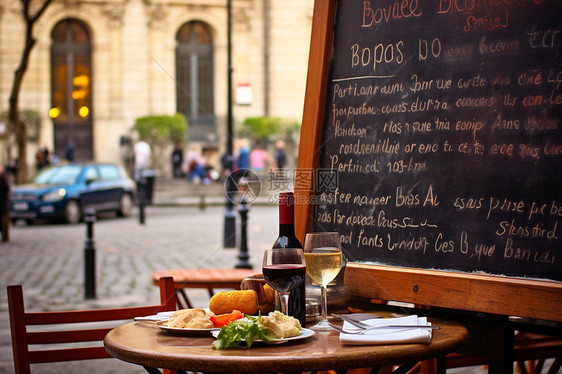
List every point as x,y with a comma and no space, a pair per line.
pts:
242,334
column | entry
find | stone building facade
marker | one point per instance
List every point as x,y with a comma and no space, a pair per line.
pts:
121,61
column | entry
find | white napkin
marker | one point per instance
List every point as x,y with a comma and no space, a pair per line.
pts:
389,335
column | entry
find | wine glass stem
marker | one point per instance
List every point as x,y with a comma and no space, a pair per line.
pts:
284,298
324,301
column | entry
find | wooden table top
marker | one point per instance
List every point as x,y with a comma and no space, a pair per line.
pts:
145,344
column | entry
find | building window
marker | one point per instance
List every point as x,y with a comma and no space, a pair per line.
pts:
71,78
71,87
194,64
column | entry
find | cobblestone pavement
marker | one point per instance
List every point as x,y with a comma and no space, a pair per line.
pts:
47,259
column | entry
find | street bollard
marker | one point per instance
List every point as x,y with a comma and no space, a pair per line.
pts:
243,255
142,197
89,255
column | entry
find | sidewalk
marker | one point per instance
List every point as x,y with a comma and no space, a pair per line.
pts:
179,192
174,192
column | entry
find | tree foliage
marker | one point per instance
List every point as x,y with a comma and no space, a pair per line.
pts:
159,131
263,128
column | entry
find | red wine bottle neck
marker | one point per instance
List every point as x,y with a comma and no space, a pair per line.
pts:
287,229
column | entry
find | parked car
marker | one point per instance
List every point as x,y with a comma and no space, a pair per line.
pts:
65,191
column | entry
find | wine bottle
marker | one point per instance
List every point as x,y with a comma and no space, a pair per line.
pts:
287,239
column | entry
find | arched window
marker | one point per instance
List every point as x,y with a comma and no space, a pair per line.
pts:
194,64
71,88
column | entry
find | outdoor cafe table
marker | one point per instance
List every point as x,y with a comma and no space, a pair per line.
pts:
147,345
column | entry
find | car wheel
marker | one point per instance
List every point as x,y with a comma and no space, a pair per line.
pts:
125,205
72,212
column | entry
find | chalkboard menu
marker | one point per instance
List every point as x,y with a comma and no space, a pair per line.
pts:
442,135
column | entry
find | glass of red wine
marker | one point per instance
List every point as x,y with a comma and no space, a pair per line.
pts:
284,269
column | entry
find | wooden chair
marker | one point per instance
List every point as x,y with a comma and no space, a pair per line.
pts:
531,352
22,339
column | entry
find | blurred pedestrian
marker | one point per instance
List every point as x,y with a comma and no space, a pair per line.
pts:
143,154
40,161
227,164
47,156
243,161
280,155
4,205
195,165
177,160
12,168
69,151
258,158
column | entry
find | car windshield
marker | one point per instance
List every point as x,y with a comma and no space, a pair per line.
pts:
67,174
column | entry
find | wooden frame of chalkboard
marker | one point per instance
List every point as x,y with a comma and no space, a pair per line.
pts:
521,91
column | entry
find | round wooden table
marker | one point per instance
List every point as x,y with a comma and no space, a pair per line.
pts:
145,344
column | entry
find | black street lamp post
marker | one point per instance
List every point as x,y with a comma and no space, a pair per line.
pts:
230,215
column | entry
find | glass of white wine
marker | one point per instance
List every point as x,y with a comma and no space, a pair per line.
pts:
324,259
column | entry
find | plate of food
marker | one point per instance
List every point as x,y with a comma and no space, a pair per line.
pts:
224,307
236,319
274,328
196,321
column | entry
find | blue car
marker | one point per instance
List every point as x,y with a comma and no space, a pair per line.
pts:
65,191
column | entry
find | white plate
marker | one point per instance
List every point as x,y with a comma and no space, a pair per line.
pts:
183,331
305,334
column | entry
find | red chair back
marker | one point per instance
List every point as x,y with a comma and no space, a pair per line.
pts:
22,338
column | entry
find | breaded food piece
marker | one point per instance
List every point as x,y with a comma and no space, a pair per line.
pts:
266,308
269,293
190,319
246,301
281,325
269,305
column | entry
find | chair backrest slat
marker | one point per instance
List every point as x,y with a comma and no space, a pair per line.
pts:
68,354
21,338
67,336
50,318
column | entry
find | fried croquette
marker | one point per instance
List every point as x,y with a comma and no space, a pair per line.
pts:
246,301
269,293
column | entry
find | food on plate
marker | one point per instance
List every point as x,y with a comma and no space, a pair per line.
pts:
269,304
200,319
243,333
266,294
190,319
246,301
281,325
225,319
269,293
266,308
